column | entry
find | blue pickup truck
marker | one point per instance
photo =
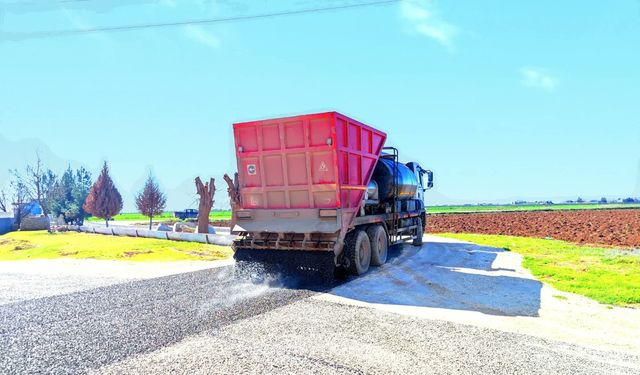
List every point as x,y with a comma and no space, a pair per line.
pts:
189,213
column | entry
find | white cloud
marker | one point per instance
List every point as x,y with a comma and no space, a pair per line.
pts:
200,35
424,20
538,78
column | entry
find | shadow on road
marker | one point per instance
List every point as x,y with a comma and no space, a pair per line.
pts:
447,275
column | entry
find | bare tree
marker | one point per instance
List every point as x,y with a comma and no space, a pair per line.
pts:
150,200
206,193
233,189
20,197
3,201
37,182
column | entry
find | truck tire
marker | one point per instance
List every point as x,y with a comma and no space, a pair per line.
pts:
417,240
358,252
379,244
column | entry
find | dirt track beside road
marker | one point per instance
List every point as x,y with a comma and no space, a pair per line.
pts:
606,227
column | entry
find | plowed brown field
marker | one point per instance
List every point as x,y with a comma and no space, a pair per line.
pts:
608,227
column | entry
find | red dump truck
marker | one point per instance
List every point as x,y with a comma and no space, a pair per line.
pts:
321,192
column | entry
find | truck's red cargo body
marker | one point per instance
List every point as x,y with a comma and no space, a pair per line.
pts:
317,161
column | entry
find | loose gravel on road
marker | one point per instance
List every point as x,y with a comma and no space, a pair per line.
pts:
314,337
29,279
76,332
213,321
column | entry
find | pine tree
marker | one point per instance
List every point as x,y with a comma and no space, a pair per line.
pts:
69,194
81,191
150,200
104,200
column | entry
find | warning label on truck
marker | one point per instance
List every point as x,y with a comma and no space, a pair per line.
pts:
251,169
323,167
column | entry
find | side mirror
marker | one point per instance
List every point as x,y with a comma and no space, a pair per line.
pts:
429,179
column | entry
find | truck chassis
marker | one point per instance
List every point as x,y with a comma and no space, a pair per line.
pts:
325,254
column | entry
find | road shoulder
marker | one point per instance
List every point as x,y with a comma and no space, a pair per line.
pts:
439,275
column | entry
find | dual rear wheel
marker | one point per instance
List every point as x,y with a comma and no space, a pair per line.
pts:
369,247
379,245
365,248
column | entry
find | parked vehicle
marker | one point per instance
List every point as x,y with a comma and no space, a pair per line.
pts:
189,213
318,192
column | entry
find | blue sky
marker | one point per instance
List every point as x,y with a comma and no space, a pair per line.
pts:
503,100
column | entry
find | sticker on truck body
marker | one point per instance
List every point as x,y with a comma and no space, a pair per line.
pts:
251,169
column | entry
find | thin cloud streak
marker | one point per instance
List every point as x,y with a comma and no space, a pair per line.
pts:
538,78
200,35
424,20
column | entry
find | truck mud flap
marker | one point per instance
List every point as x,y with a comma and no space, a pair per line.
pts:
310,265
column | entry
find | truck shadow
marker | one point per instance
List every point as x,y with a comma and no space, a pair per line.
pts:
449,275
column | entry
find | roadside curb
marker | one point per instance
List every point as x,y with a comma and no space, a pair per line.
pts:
210,239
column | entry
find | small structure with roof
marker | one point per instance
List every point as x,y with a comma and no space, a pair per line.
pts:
30,216
6,222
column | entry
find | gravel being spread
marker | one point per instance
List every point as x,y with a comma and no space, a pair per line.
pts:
211,322
76,332
214,321
316,337
29,279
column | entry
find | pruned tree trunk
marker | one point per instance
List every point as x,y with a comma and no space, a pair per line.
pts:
206,193
150,222
106,222
233,189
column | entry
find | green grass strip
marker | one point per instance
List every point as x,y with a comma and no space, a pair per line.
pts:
42,245
132,216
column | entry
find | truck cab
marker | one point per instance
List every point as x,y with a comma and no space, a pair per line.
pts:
424,177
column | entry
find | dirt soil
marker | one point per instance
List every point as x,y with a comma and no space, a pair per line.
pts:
221,223
607,227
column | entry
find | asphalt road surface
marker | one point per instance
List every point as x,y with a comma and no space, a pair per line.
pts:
214,321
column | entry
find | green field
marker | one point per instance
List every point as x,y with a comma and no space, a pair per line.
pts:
605,275
226,215
537,207
42,245
133,216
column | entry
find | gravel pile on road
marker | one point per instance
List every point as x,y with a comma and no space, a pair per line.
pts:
317,337
216,321
29,279
76,332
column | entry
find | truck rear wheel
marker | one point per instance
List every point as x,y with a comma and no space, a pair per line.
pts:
358,252
379,245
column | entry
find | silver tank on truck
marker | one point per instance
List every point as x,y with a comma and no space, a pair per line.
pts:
383,175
